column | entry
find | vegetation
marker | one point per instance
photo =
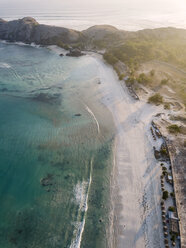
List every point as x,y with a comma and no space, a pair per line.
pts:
164,45
62,45
164,152
167,105
130,80
172,194
152,73
173,238
164,81
143,79
165,195
156,99
164,173
148,46
121,77
174,129
111,59
171,208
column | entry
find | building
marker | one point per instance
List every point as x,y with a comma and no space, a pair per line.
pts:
174,226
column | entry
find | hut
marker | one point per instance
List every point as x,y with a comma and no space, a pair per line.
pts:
174,227
169,179
162,208
163,212
165,228
166,241
165,234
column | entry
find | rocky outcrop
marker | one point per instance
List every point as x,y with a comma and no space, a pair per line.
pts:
75,53
104,35
28,30
99,32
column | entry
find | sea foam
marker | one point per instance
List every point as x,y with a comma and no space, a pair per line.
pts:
4,65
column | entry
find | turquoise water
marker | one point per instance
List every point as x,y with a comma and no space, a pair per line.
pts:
55,163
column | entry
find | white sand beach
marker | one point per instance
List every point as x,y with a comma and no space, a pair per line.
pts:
137,190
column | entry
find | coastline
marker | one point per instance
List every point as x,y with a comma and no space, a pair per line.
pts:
136,193
129,118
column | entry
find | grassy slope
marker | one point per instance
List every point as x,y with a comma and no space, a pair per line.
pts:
158,46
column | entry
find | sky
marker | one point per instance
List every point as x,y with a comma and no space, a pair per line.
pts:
80,14
75,3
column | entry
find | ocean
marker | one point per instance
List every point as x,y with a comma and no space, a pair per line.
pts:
55,150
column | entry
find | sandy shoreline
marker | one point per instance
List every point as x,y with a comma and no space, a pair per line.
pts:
137,193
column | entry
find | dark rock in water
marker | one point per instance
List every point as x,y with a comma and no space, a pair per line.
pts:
61,55
48,98
75,53
67,176
47,181
4,90
13,241
20,231
77,115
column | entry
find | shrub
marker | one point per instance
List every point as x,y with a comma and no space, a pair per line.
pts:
163,152
174,129
164,173
62,45
165,195
164,81
130,80
143,79
117,70
164,168
172,194
173,238
112,60
156,99
167,105
121,77
171,208
152,73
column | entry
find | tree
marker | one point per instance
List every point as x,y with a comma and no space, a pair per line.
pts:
143,79
171,208
165,195
121,77
152,73
164,81
174,129
156,99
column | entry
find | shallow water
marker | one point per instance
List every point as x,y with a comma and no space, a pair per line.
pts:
55,151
